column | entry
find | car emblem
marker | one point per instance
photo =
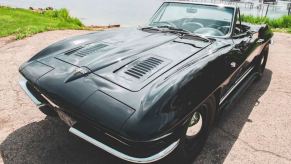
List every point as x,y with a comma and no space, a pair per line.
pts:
82,70
78,73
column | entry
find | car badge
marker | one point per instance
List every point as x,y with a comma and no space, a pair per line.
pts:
82,70
78,73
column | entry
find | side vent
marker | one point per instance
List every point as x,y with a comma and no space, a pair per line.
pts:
144,68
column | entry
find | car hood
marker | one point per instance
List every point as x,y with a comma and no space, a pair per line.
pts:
88,74
128,57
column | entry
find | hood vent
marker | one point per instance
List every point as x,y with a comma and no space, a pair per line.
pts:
145,68
71,51
84,51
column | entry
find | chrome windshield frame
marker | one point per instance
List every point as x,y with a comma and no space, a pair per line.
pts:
228,35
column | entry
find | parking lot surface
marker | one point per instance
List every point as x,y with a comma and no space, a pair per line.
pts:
257,129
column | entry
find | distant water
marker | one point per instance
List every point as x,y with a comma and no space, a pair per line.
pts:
98,12
128,12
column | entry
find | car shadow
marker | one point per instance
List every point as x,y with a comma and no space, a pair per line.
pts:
48,141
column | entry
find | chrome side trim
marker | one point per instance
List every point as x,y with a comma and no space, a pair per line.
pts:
123,156
164,136
236,84
23,85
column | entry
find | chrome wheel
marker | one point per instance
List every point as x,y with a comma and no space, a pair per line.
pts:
195,125
196,130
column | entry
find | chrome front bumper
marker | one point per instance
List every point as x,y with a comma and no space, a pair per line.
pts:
123,156
23,85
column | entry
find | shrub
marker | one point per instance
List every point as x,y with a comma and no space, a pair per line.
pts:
281,22
23,22
63,14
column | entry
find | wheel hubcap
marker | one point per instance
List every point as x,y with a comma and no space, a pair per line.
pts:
195,125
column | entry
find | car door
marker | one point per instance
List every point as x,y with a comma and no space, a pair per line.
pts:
238,60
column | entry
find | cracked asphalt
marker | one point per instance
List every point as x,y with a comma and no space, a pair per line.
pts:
256,129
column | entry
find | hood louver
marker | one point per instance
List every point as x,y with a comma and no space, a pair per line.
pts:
84,51
144,68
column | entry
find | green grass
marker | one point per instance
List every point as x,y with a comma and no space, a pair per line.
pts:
281,24
23,22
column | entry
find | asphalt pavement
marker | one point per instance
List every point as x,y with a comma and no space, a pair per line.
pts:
257,129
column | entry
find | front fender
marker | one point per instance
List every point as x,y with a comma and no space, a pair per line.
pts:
170,101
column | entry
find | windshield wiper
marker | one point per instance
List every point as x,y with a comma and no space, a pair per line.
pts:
174,29
184,32
200,36
150,28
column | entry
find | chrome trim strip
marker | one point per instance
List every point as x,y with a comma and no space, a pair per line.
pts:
201,3
123,156
23,85
236,84
164,136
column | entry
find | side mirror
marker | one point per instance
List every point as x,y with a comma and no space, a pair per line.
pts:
265,32
261,33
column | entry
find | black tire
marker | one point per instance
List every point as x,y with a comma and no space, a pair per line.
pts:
261,63
190,147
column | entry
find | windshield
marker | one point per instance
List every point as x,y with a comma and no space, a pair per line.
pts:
200,19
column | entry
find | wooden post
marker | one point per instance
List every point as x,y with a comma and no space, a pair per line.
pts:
289,8
267,10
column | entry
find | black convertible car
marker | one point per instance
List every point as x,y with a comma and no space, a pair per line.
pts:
144,93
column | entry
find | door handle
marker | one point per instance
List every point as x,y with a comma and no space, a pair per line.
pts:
233,64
